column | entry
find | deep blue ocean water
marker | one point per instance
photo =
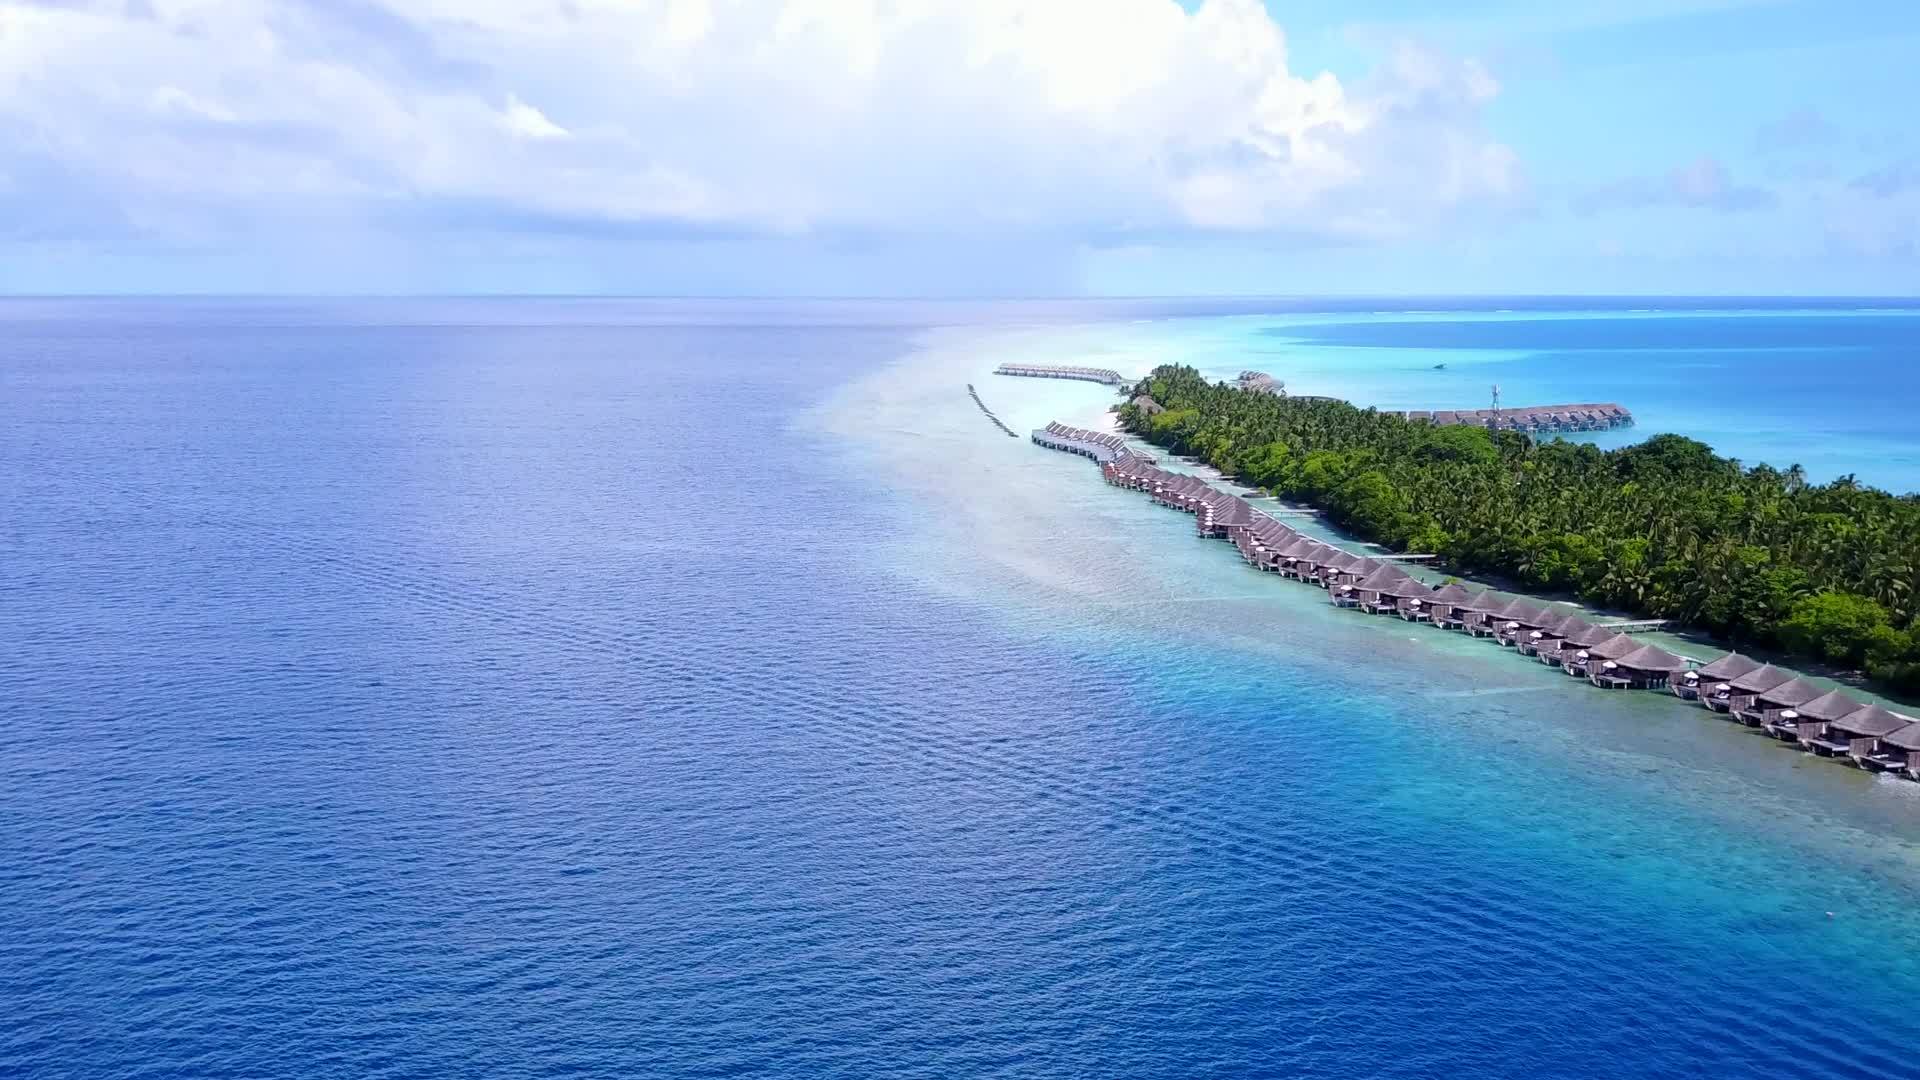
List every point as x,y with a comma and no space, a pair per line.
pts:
649,689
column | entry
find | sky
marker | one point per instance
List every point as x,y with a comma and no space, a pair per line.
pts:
960,147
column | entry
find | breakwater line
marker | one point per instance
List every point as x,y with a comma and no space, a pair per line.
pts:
1770,700
997,422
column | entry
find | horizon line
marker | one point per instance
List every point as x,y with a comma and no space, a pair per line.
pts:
1908,298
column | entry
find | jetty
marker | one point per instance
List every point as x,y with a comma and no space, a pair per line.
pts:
1770,701
1106,376
997,422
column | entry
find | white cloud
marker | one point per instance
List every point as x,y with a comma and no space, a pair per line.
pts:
1109,118
528,122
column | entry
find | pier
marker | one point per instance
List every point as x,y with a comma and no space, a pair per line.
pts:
1106,376
1768,700
975,395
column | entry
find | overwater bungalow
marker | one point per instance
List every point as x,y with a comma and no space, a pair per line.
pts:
1286,557
1475,611
1808,724
1648,667
1554,638
1270,540
1218,516
1891,748
1742,691
1860,736
1249,546
1180,491
1758,709
1809,717
1579,660
1707,679
1443,606
1547,636
1383,591
1518,616
1344,568
1306,560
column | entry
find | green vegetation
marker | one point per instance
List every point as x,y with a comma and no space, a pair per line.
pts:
1665,528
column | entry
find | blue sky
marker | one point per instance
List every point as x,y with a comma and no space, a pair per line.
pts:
959,147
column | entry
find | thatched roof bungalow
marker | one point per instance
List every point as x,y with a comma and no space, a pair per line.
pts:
1309,560
1545,639
1648,667
1383,591
1904,741
1217,518
1742,690
1444,605
1578,658
1345,569
1703,682
1858,735
1768,704
1516,617
1807,724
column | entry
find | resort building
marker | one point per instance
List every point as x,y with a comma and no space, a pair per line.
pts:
1648,667
1767,705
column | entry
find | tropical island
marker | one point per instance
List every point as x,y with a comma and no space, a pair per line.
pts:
1664,528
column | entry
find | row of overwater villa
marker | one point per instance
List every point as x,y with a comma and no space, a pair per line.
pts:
1763,697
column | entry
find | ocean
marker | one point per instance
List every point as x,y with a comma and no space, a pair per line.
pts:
707,689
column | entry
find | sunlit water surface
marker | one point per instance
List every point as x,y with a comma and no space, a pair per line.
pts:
691,689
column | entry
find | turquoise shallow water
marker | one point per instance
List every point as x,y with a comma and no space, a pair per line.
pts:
1832,390
702,690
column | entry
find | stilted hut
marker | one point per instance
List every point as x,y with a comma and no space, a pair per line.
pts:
1216,518
1810,724
1546,638
1647,668
1590,658
1574,635
1743,690
1383,591
1861,737
1286,558
1180,491
1476,611
1769,704
1443,606
1521,622
1903,742
1513,615
1702,684
1809,719
1344,568
1311,564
